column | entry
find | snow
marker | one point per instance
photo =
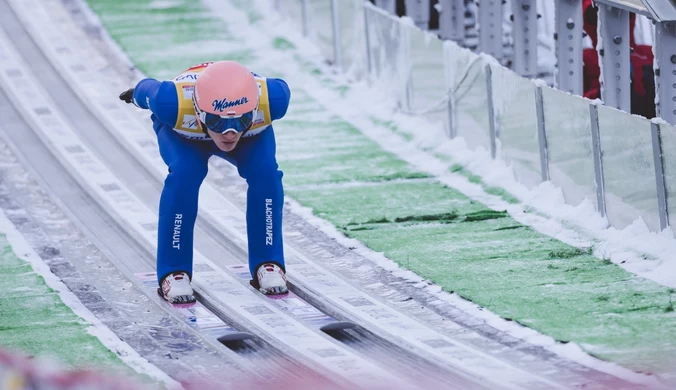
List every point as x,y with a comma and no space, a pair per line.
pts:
24,251
570,351
164,4
627,247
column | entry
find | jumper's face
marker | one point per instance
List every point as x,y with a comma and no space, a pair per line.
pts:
227,141
227,129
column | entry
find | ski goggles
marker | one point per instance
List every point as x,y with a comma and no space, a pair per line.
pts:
223,124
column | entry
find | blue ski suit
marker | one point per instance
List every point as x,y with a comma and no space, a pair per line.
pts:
186,151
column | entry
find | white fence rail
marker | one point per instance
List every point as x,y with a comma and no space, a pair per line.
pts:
625,164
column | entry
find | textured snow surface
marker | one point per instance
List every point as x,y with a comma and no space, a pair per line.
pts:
24,251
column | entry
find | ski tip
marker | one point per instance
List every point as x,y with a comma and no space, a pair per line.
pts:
337,326
234,337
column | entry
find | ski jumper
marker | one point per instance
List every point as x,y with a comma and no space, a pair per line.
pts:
186,151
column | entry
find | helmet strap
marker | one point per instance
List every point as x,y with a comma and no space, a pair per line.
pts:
203,127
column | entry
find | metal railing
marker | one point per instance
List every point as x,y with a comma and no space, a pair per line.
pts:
623,164
613,48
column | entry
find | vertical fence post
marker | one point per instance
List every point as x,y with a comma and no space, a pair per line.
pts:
452,20
569,45
614,55
452,133
491,110
304,17
490,27
449,74
525,32
405,66
337,42
409,84
659,176
598,160
277,5
367,43
542,134
665,57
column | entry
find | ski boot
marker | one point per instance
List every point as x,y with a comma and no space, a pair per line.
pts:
175,288
270,279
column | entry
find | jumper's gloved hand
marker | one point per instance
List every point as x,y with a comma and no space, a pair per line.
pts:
128,96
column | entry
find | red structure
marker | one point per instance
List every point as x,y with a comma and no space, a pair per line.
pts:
643,76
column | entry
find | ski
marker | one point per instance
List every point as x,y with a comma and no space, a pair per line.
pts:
197,316
296,306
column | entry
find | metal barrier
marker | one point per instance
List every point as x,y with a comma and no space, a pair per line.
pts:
624,164
613,48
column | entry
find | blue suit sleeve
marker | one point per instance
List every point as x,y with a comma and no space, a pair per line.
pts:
159,97
279,96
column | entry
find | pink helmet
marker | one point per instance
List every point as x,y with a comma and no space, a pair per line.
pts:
226,88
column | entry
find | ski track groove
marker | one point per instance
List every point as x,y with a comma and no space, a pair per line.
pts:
114,242
359,368
214,228
78,208
214,223
104,235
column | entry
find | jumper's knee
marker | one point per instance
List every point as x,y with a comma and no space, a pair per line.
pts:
187,173
264,170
